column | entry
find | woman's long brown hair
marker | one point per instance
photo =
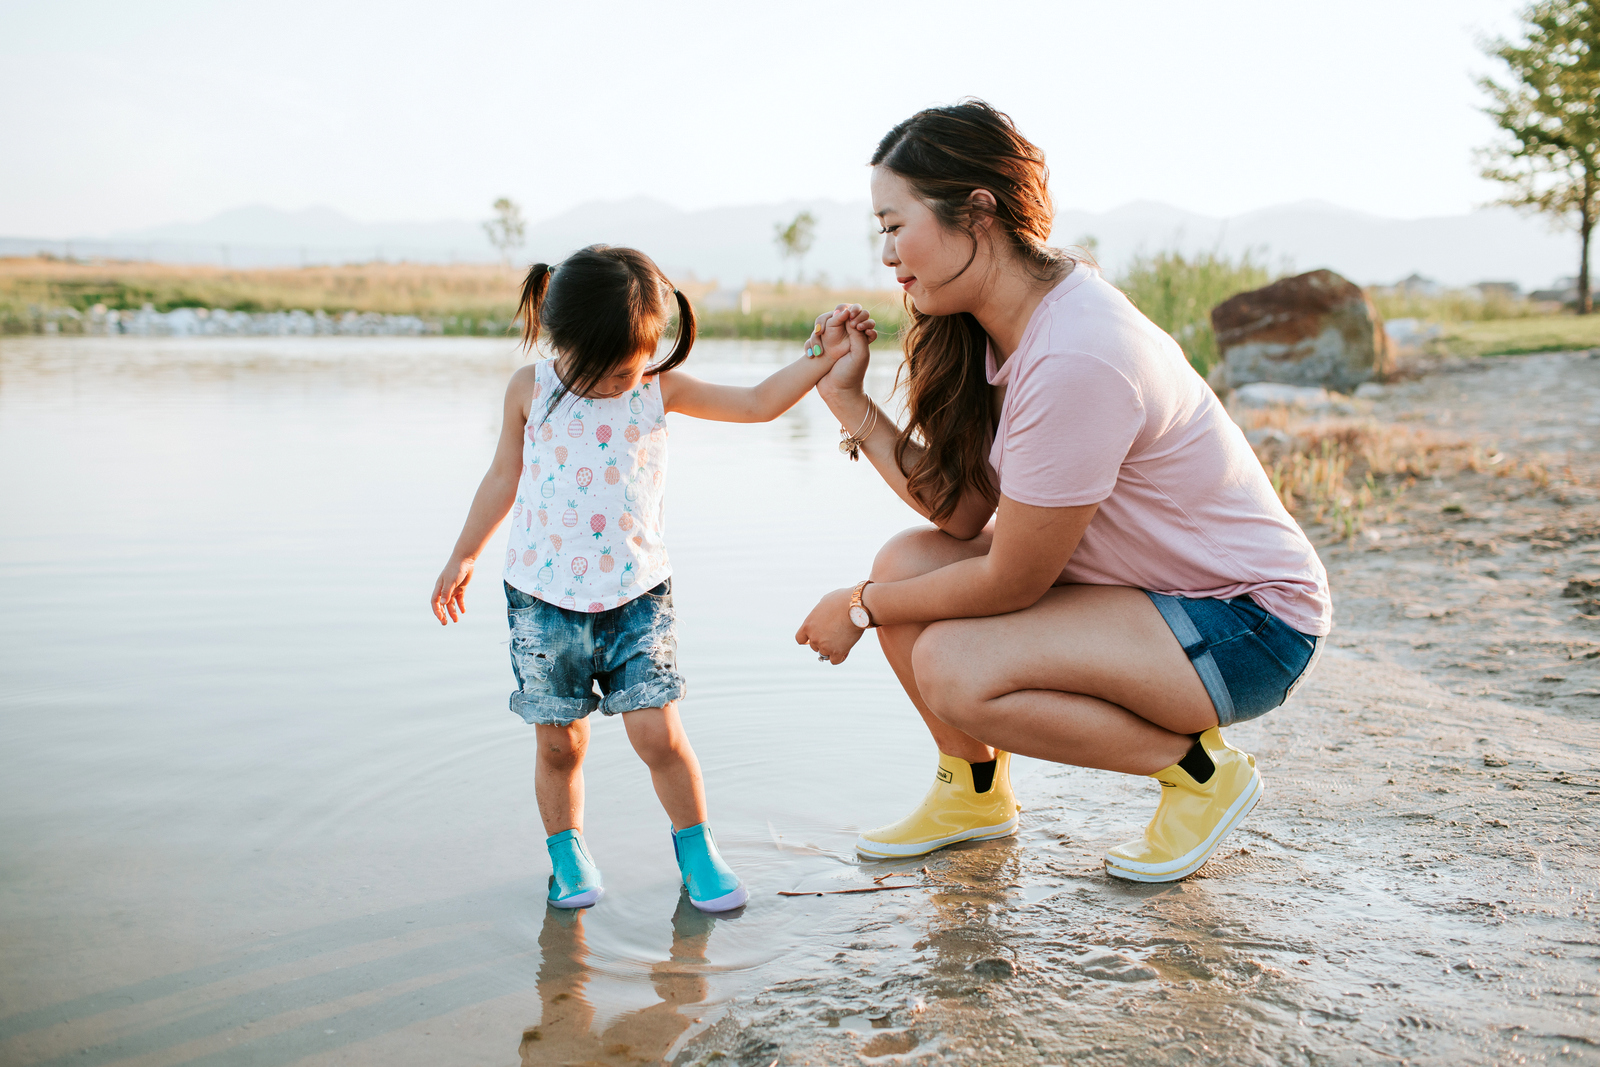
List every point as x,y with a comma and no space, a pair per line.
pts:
944,153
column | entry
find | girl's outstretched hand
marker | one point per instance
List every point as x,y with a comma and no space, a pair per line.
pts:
450,591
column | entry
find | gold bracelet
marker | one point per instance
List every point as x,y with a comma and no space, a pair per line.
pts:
850,443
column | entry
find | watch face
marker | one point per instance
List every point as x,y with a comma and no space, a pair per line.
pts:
859,616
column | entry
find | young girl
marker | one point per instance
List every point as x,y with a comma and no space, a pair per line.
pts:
581,466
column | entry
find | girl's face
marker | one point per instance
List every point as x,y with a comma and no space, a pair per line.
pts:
927,256
624,377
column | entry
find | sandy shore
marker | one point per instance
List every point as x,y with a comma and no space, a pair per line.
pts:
1419,883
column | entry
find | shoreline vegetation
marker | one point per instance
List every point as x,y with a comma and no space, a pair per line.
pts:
41,295
1339,474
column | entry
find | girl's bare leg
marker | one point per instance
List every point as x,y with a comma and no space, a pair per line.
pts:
558,775
657,736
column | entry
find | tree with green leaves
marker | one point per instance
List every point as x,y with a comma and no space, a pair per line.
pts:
1548,113
795,239
507,229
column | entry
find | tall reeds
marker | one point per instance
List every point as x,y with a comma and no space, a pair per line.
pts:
1177,291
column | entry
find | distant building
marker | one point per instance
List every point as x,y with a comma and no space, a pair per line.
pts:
1417,285
1499,290
1565,291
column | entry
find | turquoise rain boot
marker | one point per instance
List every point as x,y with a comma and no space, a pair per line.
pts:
575,882
712,884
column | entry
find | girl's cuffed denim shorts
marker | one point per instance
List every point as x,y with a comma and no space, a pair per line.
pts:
629,654
1249,660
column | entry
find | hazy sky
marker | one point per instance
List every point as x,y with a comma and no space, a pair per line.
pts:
124,115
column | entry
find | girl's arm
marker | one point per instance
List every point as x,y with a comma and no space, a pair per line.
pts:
495,495
684,393
843,391
1031,548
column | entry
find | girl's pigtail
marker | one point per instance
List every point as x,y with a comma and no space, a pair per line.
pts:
686,335
533,290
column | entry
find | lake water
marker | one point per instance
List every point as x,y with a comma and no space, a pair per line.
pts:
258,807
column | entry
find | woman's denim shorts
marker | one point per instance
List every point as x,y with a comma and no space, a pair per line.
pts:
561,658
1249,660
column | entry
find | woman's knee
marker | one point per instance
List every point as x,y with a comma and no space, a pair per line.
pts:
946,677
910,553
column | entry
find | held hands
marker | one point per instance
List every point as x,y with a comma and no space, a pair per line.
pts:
846,330
828,629
849,369
449,592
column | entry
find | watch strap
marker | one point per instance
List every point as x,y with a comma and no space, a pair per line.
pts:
857,602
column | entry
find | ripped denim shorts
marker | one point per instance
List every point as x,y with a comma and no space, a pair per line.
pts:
561,658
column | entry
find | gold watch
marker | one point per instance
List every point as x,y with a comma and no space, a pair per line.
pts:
858,611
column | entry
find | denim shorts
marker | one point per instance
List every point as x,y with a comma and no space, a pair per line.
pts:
630,654
1249,660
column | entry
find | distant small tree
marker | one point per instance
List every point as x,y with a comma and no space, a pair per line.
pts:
795,239
507,229
1549,113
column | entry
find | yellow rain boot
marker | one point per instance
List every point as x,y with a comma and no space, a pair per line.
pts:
1192,818
952,811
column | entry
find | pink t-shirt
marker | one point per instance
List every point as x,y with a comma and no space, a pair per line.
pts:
1101,407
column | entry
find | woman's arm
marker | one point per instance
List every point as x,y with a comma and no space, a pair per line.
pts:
1031,548
844,393
683,392
495,495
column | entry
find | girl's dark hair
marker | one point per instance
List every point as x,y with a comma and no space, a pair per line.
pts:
600,306
944,153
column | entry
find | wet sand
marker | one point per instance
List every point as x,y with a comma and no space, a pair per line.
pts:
1418,884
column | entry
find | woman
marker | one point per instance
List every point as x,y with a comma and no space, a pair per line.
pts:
1110,578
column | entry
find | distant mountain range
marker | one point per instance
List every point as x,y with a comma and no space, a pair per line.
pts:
731,244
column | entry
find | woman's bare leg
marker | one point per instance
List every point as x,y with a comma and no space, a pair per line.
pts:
1091,675
907,555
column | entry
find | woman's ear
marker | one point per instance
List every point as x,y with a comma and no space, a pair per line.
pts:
982,205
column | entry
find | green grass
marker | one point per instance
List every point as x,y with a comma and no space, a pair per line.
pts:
1177,293
1453,306
1521,336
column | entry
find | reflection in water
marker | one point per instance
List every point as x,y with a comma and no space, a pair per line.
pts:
566,1029
257,804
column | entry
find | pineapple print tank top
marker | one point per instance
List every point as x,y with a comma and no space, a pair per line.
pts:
586,530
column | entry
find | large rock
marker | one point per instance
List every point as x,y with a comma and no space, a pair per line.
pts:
1312,329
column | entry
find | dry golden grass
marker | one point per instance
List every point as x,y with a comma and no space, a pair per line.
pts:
1340,473
484,295
388,288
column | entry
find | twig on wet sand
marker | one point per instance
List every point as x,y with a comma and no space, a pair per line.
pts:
836,892
877,886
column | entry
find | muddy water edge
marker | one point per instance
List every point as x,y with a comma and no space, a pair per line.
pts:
1419,883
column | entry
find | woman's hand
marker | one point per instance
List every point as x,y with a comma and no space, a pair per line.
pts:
844,329
849,370
828,629
450,591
